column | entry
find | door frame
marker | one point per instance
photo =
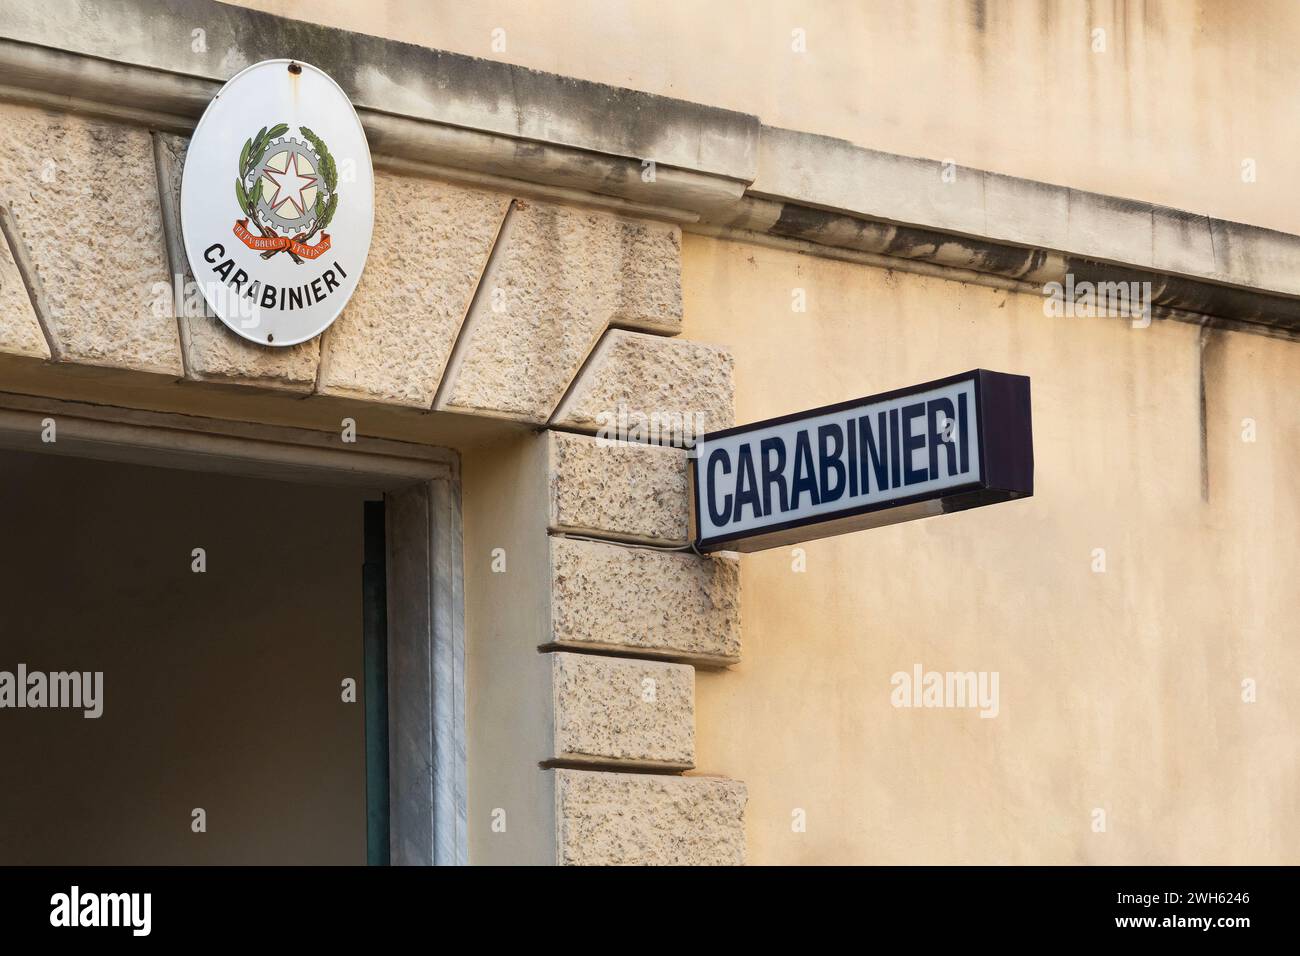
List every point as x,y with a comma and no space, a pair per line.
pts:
427,787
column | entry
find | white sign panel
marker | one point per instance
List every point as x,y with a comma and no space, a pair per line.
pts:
943,446
277,202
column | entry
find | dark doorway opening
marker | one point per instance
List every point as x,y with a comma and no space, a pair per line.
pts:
225,615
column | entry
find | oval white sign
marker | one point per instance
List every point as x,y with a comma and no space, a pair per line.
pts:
277,202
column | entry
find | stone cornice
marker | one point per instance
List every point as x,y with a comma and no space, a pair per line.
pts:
715,171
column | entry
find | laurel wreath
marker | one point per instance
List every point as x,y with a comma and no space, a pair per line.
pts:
251,156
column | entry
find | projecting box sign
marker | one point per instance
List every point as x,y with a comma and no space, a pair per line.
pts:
944,446
277,202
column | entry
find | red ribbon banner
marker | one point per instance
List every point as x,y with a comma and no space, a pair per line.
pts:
276,243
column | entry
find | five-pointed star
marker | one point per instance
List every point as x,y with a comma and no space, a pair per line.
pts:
289,185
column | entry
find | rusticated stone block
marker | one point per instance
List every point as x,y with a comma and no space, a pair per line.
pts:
430,246
651,388
611,819
613,709
20,332
679,606
212,351
558,278
620,490
85,199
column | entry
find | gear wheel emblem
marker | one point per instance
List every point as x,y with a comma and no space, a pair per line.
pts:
290,174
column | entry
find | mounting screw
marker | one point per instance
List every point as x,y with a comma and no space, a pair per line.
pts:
295,68
270,337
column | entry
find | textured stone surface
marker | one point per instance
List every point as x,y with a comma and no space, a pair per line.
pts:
652,602
212,351
1024,211
20,333
1255,257
85,199
615,489
1107,227
828,173
558,278
1181,242
611,819
648,386
617,709
430,246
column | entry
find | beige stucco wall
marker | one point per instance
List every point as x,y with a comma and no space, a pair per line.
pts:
1118,690
1184,92
511,814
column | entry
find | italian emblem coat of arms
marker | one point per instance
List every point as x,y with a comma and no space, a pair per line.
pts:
288,190
279,265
